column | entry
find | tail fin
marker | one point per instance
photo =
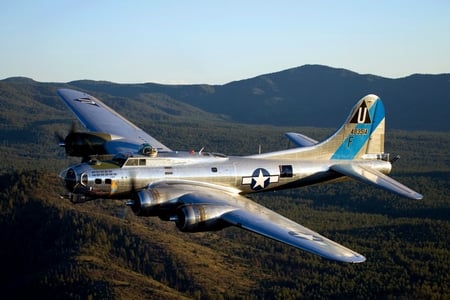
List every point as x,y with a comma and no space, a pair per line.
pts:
361,134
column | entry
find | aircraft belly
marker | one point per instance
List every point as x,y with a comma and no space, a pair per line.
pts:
310,180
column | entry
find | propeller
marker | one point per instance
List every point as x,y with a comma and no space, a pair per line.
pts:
81,144
62,140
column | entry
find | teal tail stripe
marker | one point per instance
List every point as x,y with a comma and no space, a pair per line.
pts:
359,136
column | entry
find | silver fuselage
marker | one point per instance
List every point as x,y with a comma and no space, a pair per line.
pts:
117,178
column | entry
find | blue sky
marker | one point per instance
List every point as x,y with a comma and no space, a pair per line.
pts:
217,42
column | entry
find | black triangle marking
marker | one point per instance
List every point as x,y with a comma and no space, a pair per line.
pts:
361,115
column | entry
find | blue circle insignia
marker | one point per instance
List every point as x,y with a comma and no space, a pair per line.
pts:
260,179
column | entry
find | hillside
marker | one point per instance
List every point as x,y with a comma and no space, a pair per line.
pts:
310,95
53,249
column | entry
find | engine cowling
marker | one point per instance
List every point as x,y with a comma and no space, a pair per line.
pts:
144,203
84,144
153,202
199,218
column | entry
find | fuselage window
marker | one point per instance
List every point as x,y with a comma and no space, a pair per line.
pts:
214,169
107,181
98,181
286,171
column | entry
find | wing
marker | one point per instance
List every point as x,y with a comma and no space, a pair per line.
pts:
98,117
244,213
374,177
266,222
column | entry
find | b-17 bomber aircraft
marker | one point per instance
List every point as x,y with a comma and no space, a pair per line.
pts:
201,191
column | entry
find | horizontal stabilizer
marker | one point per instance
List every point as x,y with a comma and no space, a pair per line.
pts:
376,178
300,140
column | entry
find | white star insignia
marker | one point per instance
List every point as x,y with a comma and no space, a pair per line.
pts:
260,180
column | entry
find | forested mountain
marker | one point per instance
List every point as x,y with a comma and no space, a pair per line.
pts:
53,249
310,95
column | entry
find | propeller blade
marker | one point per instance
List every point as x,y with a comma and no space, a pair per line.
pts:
62,140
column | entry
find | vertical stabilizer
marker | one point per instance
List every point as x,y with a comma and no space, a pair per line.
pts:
362,133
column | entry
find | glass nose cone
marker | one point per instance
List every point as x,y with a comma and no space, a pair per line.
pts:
70,179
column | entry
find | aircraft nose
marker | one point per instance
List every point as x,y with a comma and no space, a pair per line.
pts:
70,178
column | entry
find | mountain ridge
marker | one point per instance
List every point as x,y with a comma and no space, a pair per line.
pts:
309,95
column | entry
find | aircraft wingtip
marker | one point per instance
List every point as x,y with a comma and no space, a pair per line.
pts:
418,196
352,257
355,259
359,259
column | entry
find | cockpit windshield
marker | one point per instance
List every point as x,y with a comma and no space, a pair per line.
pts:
119,159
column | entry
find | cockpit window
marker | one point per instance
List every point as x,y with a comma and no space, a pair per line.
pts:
119,159
132,162
136,162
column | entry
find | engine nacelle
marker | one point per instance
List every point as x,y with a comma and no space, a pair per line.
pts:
198,218
153,202
84,144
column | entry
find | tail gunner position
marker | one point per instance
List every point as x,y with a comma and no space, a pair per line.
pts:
202,191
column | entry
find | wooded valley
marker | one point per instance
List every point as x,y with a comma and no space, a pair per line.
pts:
52,248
